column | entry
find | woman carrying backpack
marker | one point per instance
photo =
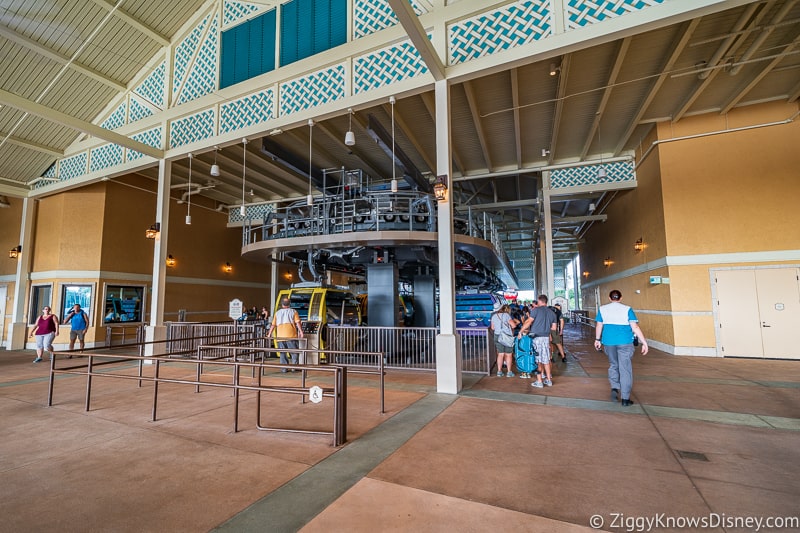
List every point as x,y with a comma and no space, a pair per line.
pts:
501,324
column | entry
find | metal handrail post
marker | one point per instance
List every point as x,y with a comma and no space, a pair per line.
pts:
89,381
155,387
50,385
236,368
383,382
199,369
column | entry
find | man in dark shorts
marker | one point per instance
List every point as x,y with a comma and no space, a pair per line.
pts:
557,335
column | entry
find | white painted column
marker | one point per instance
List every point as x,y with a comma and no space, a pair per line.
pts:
550,287
17,329
273,284
448,343
157,331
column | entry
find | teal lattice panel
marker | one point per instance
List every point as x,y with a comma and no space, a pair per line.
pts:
370,16
256,212
50,172
116,119
72,167
387,66
138,109
152,88
192,128
513,25
577,176
233,12
583,12
202,78
184,53
309,91
105,156
151,137
248,111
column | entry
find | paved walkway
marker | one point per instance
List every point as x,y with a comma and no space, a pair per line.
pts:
713,439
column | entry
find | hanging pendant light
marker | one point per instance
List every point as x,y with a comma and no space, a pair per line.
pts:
601,172
189,198
350,137
215,167
310,198
242,209
394,166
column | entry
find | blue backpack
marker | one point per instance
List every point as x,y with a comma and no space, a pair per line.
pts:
525,354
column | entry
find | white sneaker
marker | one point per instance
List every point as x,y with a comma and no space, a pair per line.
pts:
537,385
548,382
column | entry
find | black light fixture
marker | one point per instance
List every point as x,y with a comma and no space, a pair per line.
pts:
554,69
638,246
171,262
440,188
153,231
607,262
227,268
15,251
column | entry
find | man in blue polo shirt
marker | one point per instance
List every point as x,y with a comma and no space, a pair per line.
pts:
616,326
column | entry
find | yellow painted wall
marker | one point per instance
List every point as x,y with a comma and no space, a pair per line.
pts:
735,192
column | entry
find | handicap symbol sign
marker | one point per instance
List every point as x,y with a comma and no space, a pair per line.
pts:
315,394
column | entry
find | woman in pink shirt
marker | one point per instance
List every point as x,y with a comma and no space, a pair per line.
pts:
46,329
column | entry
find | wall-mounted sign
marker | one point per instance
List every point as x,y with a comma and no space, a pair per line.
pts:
655,280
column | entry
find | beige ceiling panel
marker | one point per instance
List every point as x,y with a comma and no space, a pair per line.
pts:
18,163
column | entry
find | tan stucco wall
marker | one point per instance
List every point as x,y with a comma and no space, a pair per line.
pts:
734,192
731,193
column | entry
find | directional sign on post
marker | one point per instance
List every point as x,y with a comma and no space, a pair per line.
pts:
235,309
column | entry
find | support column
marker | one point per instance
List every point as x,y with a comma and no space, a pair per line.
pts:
17,329
448,342
273,284
157,331
550,287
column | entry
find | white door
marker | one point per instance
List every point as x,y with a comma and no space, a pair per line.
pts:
779,310
3,307
739,326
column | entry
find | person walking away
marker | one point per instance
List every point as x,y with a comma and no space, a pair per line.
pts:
289,327
79,324
541,322
557,335
500,323
616,326
46,329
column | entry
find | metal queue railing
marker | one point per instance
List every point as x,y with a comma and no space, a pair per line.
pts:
121,335
411,348
366,364
182,336
338,392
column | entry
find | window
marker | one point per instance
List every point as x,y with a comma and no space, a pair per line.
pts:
309,27
41,296
72,294
248,50
124,303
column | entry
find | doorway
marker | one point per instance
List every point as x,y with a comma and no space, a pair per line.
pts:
758,312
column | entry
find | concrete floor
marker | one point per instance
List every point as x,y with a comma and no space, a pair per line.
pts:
706,438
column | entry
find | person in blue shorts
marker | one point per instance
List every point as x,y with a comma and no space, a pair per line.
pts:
616,326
